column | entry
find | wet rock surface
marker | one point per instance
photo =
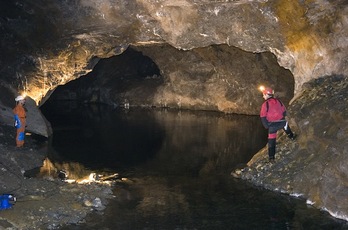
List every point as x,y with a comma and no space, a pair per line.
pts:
43,202
49,43
313,166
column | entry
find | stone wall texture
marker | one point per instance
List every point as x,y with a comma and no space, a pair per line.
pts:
211,54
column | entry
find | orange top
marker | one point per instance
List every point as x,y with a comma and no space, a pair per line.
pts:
20,111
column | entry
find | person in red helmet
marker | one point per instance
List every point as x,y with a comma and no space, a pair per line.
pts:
272,116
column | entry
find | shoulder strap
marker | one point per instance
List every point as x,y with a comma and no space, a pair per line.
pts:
281,103
267,106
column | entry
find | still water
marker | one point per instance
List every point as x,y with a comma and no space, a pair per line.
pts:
177,165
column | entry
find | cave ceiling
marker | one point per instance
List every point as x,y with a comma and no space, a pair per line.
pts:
48,43
194,54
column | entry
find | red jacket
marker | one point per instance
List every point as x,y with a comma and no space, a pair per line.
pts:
272,110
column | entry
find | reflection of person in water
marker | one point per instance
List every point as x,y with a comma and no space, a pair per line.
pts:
20,120
280,213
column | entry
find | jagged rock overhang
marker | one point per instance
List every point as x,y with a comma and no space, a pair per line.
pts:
217,77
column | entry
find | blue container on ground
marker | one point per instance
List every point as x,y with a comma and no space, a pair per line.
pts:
5,201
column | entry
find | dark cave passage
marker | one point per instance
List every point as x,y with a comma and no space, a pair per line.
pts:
132,77
216,78
122,72
170,153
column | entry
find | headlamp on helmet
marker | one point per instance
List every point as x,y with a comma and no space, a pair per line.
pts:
266,90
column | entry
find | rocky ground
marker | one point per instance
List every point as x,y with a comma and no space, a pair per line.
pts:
43,201
314,165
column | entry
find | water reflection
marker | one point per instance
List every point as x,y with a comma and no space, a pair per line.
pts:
178,166
70,172
204,143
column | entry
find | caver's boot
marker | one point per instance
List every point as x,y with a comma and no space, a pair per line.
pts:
271,149
289,133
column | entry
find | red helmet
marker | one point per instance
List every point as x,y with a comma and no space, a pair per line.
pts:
268,91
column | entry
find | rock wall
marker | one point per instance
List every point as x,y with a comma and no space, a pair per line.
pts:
47,43
218,78
313,166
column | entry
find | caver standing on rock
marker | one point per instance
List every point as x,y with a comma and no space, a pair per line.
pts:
272,115
20,120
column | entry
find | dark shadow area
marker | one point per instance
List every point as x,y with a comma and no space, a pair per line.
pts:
128,70
99,136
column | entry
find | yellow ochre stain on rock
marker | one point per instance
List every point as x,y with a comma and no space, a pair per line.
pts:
298,32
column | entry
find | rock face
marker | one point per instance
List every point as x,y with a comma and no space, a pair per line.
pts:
220,78
313,166
209,54
36,122
44,201
49,43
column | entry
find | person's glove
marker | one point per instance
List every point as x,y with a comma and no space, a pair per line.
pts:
17,122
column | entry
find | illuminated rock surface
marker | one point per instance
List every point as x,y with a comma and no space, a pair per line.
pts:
313,166
50,43
210,54
43,200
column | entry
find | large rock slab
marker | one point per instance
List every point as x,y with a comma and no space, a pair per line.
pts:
313,166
